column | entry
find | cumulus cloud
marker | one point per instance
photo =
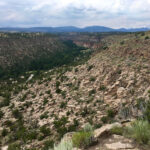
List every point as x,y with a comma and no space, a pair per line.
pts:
111,13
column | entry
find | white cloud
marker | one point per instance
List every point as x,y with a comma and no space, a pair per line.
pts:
2,3
112,13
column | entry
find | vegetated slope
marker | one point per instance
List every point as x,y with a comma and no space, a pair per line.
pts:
114,84
31,51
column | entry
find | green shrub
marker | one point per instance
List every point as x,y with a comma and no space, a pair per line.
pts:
48,144
85,112
117,130
32,135
20,133
110,113
17,114
5,102
22,99
44,115
57,84
63,93
68,113
62,131
46,84
48,92
60,126
104,119
61,122
82,139
33,96
4,132
140,131
122,42
45,101
76,70
92,92
105,47
63,105
1,114
8,123
76,122
27,104
147,111
147,37
72,128
96,126
46,131
102,88
92,79
90,67
119,71
58,90
14,147
51,96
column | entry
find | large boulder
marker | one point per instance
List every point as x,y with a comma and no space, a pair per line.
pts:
105,129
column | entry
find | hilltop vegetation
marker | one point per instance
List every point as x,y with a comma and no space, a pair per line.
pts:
112,84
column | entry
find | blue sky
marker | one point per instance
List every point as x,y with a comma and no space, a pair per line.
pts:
81,13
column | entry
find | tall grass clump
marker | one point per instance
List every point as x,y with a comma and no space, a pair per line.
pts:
63,145
83,138
88,128
117,130
140,131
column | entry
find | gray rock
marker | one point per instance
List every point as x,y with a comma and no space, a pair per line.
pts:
101,131
119,145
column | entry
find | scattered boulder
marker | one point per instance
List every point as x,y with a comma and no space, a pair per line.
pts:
30,78
22,77
121,92
5,148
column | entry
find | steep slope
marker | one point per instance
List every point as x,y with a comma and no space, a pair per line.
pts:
16,48
111,86
25,52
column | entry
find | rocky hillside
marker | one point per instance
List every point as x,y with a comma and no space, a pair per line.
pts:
38,108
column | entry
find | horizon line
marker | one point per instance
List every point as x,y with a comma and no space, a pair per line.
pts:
73,26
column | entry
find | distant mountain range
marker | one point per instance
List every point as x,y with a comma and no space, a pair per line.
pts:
72,29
